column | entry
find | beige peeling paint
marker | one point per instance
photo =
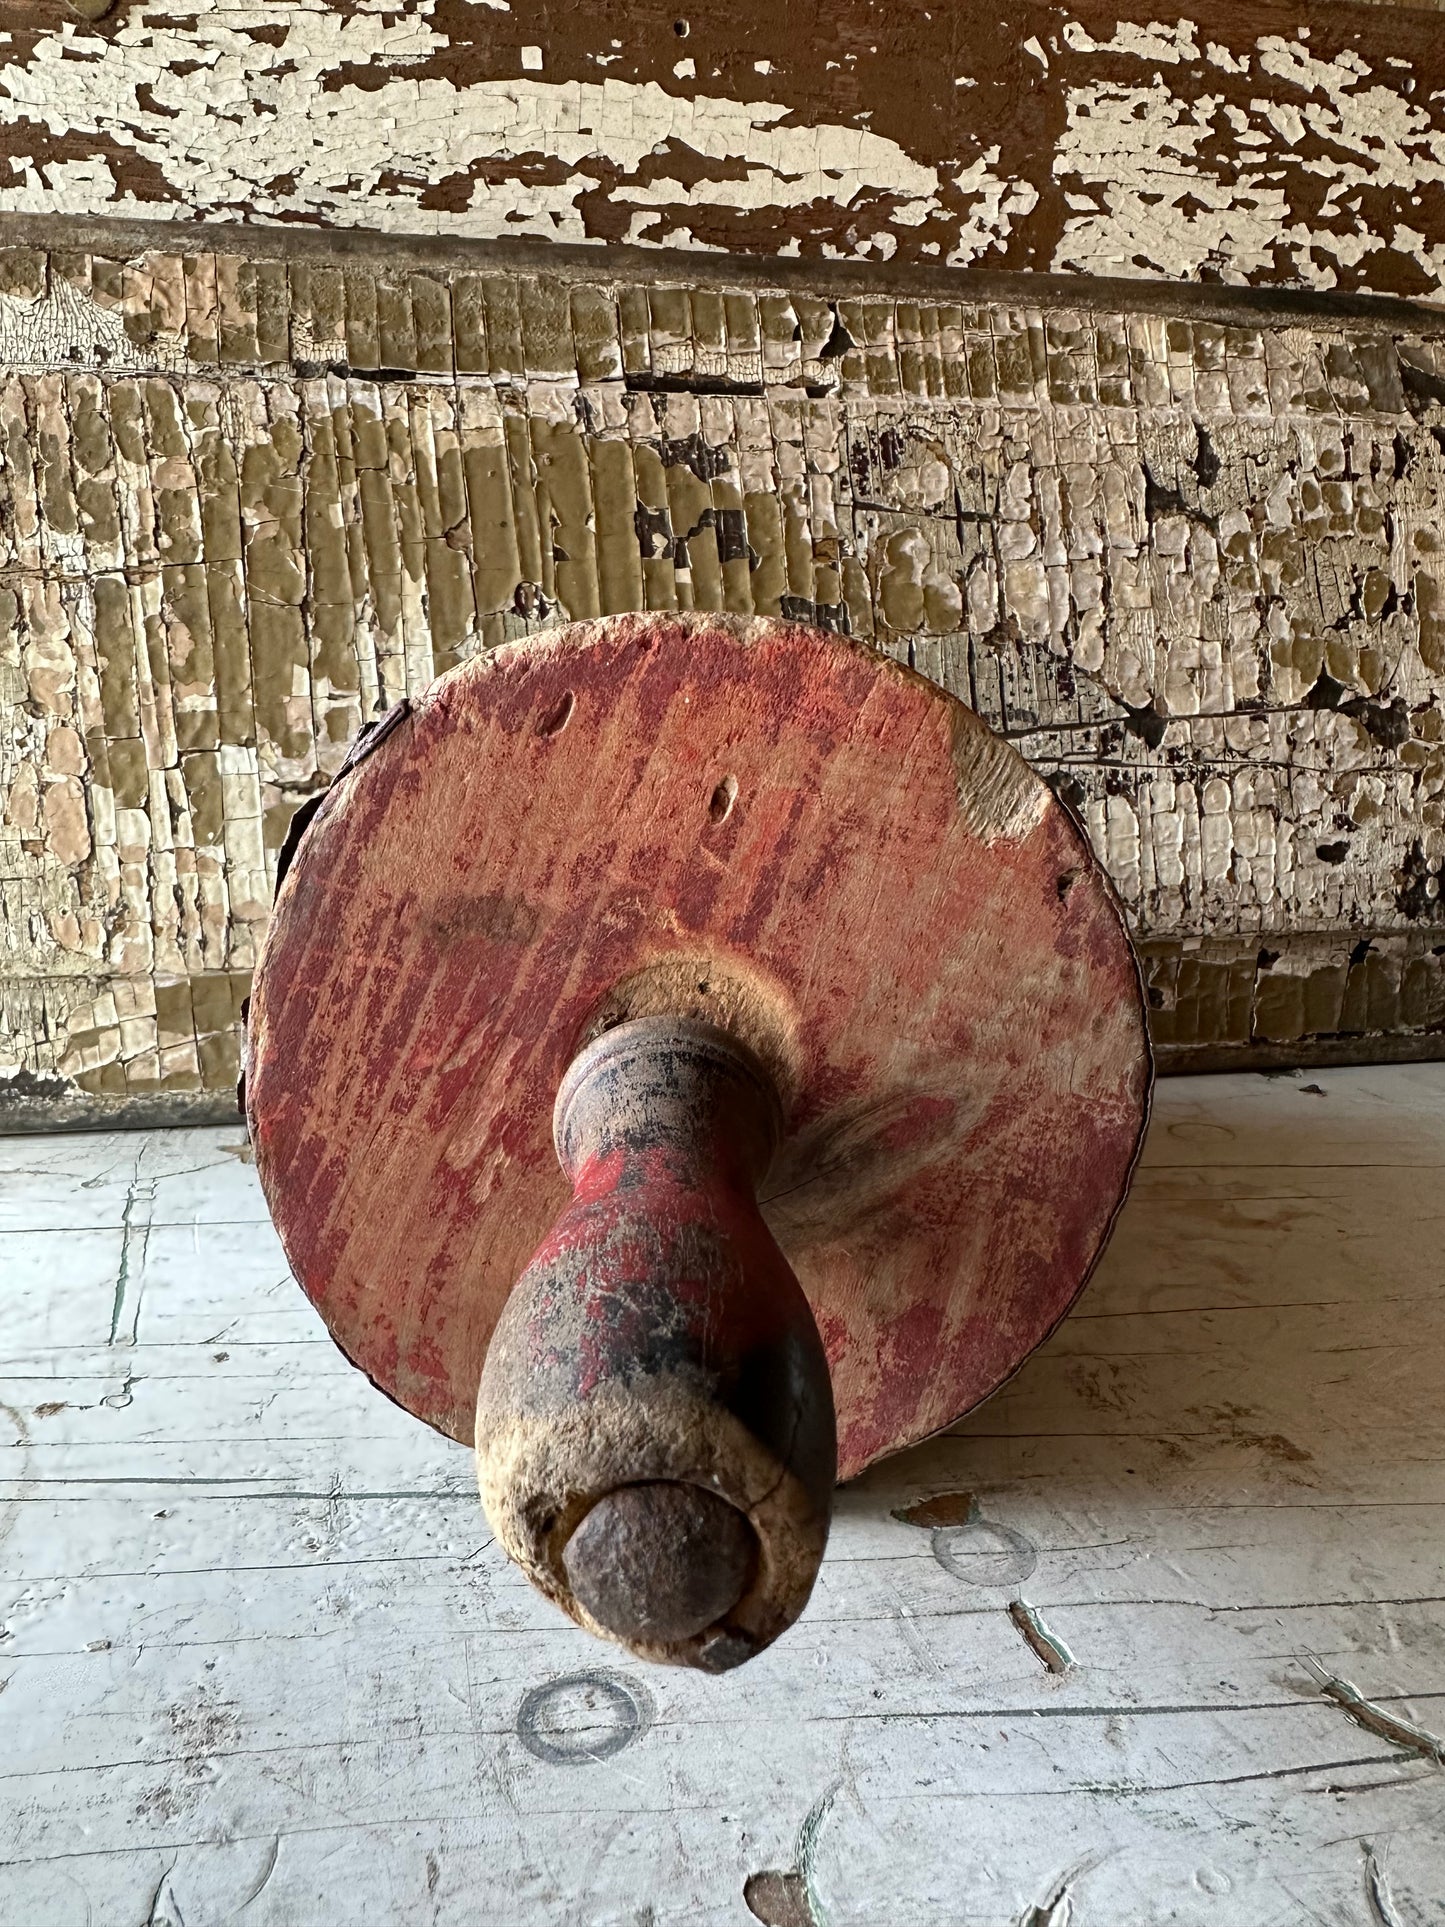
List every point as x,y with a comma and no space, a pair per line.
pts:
1194,571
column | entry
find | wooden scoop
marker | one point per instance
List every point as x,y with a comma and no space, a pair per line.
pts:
843,1041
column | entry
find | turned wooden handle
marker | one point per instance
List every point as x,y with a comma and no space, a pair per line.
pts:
783,835
655,1432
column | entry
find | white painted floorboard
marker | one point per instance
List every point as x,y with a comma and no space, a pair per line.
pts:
260,1662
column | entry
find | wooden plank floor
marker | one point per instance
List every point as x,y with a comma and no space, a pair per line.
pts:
1172,1649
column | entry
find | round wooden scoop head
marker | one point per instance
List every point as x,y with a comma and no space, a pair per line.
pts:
761,829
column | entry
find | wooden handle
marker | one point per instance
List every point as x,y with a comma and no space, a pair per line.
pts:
655,1432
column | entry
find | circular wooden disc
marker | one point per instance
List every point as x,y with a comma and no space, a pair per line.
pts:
757,822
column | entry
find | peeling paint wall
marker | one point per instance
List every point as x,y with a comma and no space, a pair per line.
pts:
1195,570
1257,145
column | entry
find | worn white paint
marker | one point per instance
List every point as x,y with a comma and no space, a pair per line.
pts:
1138,149
1157,179
260,1663
261,115
64,324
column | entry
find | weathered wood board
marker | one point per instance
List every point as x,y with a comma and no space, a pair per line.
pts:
256,1650
1256,144
1188,559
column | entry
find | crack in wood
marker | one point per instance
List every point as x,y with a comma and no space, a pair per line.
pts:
1040,1639
1375,1718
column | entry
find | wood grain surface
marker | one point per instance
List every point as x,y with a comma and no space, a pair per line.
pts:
256,1649
828,851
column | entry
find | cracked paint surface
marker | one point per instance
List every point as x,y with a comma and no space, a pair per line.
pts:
1299,148
1194,570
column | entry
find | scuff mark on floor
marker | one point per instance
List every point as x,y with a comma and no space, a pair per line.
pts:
135,1221
117,1401
916,1643
164,1910
15,1474
1056,1909
270,1868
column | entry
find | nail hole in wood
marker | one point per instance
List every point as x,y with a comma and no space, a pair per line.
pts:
559,716
723,798
681,29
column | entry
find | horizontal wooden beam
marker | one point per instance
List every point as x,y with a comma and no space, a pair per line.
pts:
1254,145
1210,302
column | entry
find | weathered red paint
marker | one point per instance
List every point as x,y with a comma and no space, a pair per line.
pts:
966,1061
660,1284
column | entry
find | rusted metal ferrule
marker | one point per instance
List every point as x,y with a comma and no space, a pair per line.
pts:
655,1430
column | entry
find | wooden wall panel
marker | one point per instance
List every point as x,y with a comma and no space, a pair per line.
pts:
1194,567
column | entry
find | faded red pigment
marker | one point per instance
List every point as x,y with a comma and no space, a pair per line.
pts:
956,996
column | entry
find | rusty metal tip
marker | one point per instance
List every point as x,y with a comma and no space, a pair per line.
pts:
658,1563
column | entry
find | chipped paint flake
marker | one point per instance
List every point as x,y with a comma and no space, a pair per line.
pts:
1144,152
1377,1719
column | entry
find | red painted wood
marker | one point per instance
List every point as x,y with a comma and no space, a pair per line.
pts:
910,913
659,1345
